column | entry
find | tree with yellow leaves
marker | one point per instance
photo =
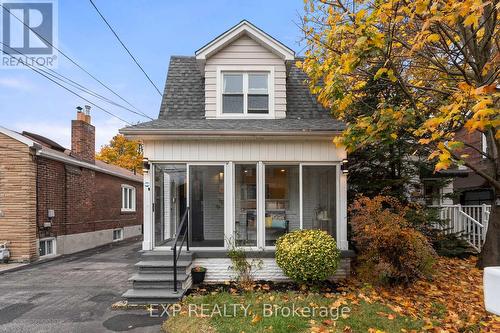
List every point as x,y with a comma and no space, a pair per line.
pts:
122,152
442,56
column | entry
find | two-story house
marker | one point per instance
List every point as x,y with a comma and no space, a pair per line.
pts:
241,153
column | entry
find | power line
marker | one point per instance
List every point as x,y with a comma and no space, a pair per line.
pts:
125,47
71,91
69,81
75,63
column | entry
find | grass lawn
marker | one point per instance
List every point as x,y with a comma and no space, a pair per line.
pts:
451,302
357,317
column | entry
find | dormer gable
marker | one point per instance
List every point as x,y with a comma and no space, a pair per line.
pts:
245,74
250,30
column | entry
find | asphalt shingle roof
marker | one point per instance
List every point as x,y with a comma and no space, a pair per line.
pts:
183,105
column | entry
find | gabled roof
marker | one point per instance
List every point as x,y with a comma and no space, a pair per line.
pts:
240,29
40,146
183,107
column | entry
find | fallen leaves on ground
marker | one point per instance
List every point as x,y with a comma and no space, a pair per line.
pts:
451,302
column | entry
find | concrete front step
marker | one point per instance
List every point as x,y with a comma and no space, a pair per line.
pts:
156,266
153,296
166,255
154,281
159,281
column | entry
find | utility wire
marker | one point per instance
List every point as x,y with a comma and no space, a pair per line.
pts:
75,63
125,47
71,91
74,84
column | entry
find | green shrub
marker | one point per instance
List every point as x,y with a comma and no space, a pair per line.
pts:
390,249
307,255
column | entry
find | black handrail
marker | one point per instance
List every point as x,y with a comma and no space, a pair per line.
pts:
184,220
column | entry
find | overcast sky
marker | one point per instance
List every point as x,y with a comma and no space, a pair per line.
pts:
153,30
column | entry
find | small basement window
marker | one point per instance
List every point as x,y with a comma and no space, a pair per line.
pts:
245,93
117,234
47,247
128,198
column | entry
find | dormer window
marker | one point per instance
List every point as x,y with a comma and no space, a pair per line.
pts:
245,93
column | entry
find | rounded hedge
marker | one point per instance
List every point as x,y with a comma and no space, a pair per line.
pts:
307,255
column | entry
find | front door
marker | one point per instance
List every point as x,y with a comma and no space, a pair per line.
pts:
170,201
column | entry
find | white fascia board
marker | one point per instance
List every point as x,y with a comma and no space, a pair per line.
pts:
74,162
253,32
189,134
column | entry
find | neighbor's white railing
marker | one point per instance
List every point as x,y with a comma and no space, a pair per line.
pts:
470,220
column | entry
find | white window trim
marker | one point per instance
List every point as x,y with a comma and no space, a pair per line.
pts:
245,70
54,246
484,145
121,234
132,209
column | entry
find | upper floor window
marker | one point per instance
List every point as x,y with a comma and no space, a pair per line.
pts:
245,93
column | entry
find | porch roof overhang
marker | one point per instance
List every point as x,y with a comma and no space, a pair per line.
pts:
327,127
226,134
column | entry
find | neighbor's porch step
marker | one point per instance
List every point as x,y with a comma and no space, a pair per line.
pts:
159,281
153,296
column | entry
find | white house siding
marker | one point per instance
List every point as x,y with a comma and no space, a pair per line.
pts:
241,150
218,270
245,51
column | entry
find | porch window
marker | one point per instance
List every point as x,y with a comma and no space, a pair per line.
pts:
245,93
319,198
252,206
206,193
282,201
245,204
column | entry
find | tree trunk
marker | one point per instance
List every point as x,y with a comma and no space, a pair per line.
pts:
490,255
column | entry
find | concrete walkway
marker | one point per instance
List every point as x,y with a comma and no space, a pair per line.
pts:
74,294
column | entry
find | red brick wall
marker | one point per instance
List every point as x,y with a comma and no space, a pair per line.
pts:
472,181
83,140
50,195
83,200
474,139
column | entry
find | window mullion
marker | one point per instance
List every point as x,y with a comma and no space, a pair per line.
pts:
245,93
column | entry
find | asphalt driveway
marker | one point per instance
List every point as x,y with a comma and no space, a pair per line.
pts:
73,294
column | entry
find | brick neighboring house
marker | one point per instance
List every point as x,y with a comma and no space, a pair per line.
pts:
57,201
473,189
460,185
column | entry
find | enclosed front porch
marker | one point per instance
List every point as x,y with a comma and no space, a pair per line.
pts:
244,204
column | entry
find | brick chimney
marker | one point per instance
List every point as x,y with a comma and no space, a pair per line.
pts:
83,136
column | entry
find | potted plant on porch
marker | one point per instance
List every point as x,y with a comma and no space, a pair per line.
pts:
198,274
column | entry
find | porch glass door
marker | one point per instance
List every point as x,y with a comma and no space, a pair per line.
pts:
206,196
169,200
